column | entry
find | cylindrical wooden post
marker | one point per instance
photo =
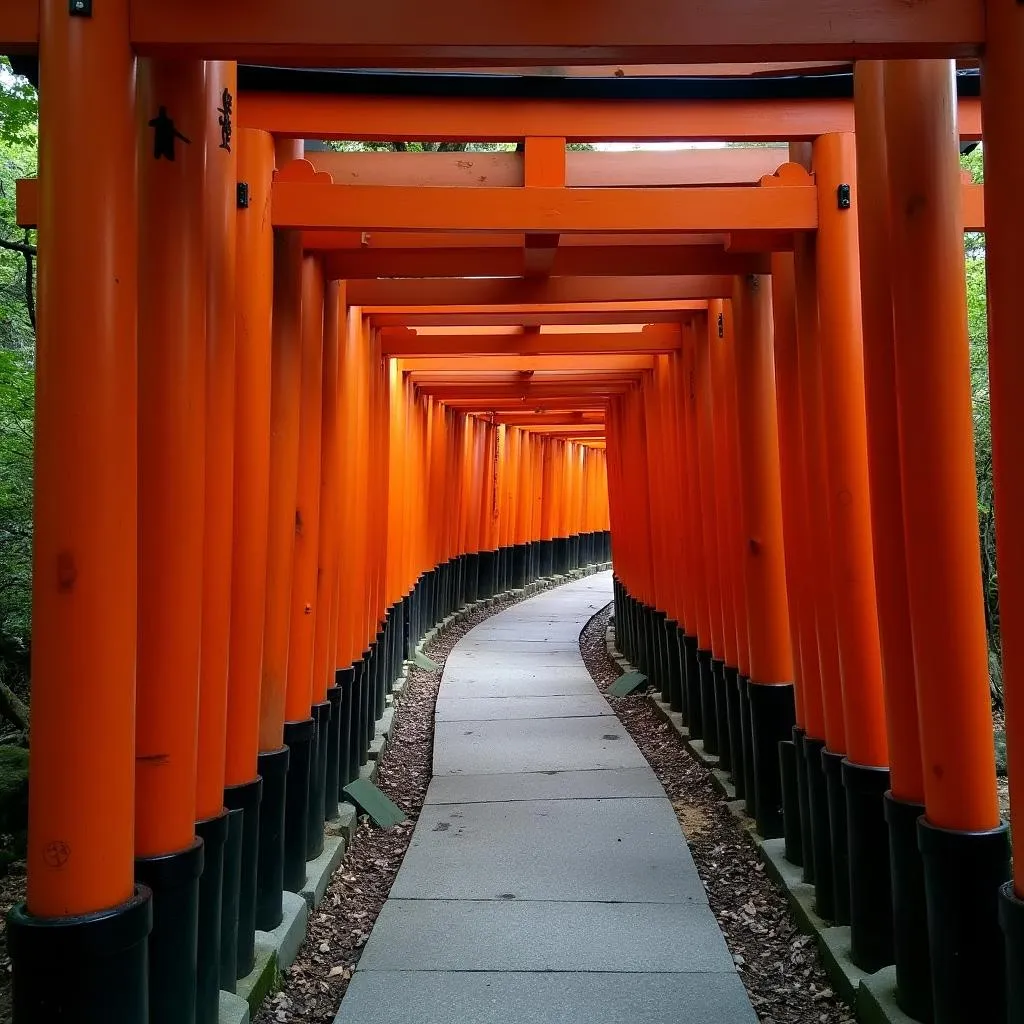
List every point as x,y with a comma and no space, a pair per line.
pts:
212,820
963,844
1002,87
286,379
904,804
772,713
172,402
864,772
254,284
80,844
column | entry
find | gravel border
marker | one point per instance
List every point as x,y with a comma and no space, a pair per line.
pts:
779,965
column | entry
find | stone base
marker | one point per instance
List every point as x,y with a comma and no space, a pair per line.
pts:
320,871
233,1009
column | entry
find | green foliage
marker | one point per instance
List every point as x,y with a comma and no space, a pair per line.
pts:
13,801
19,107
977,329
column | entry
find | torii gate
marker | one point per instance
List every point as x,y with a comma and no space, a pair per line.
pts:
98,621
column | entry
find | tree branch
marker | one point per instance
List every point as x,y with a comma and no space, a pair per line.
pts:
25,248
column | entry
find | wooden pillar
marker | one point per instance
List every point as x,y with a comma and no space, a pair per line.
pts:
172,402
1002,77
80,844
904,804
963,844
325,688
771,665
286,377
212,822
864,773
254,282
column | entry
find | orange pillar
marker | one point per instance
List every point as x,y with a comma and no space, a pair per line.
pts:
325,688
212,819
962,842
172,400
1002,86
800,566
712,665
254,284
286,380
304,725
80,843
905,803
819,538
770,691
864,773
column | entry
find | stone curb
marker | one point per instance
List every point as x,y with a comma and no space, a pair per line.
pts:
871,995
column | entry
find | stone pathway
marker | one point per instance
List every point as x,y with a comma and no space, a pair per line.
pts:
547,881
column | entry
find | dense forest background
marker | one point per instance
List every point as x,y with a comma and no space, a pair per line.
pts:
18,130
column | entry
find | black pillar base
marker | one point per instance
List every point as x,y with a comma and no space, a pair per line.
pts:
691,686
732,702
821,830
229,901
747,745
790,802
348,752
380,683
832,763
708,710
1011,917
333,754
675,666
547,558
173,879
365,723
721,714
772,717
214,834
298,737
91,969
520,567
910,911
273,767
247,800
472,581
803,805
963,873
318,780
659,652
871,922
487,574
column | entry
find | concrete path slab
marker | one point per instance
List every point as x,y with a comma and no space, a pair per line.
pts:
385,997
487,709
547,881
532,745
608,784
608,850
510,935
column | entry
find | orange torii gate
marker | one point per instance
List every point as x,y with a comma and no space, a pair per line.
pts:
740,456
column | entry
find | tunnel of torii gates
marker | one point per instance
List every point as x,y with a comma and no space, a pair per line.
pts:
295,406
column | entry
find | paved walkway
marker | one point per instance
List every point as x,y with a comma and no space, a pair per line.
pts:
547,880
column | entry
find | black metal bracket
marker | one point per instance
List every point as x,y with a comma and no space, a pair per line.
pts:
242,195
80,8
843,199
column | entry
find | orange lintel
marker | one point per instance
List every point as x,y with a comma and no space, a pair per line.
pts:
519,291
470,381
19,26
406,344
327,240
594,316
27,201
569,261
408,118
506,403
596,169
541,419
308,203
540,363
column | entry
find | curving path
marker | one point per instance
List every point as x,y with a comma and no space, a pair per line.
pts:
547,880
